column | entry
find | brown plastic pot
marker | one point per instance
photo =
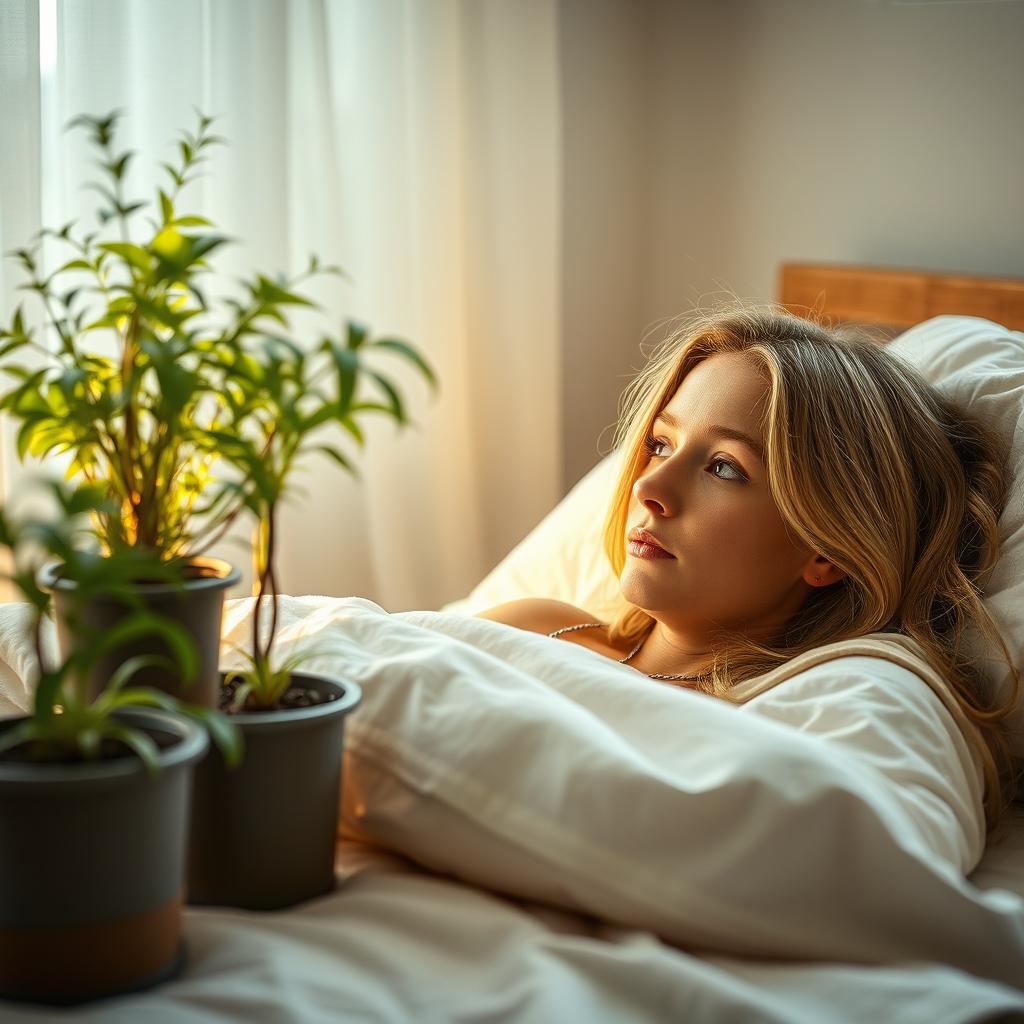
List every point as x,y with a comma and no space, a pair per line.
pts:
263,834
199,607
92,864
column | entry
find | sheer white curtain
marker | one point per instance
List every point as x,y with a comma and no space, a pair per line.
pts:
413,142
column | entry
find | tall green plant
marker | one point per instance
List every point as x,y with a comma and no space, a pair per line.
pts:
143,421
281,398
148,424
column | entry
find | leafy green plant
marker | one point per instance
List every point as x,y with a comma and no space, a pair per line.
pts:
150,423
280,399
144,420
67,722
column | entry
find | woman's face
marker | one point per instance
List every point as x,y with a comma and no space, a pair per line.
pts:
704,496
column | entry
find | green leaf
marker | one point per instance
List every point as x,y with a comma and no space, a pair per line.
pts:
328,411
406,350
139,696
177,384
178,252
75,265
86,497
118,167
160,312
171,246
27,433
394,399
357,335
173,172
202,244
130,253
166,207
130,667
146,624
275,343
349,423
226,735
24,257
269,292
103,191
102,127
12,345
336,455
139,742
347,364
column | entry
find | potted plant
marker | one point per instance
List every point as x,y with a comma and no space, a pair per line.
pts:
94,790
263,837
142,421
197,385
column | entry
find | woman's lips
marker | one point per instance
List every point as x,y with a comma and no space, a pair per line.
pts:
640,550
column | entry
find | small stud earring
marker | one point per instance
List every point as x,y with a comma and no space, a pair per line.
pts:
817,579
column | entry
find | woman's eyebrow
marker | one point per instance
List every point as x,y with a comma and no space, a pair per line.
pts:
719,431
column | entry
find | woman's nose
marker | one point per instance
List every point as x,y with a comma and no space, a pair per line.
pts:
649,490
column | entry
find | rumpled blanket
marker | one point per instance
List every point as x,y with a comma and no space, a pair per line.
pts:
833,817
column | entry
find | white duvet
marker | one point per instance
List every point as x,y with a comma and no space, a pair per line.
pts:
533,832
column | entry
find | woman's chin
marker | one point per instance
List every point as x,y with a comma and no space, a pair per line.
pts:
636,588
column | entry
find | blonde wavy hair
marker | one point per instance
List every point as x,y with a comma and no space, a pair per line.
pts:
915,490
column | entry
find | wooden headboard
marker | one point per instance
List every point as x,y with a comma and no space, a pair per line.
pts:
898,298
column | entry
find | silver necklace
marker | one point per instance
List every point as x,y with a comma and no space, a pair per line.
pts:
625,660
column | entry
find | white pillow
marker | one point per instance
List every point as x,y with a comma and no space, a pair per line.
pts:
976,361
980,364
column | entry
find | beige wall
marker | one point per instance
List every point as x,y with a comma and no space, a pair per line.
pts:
606,64
708,142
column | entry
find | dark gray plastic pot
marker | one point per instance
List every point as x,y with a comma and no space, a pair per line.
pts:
263,834
199,608
92,865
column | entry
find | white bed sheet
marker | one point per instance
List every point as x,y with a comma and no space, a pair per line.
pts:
1002,866
399,942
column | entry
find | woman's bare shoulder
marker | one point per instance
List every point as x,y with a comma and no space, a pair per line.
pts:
538,614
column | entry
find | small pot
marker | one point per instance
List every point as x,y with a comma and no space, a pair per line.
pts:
92,864
263,834
199,607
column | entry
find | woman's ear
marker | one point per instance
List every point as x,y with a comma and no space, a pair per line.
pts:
820,572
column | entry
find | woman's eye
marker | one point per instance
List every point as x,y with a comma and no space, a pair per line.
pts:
737,475
654,444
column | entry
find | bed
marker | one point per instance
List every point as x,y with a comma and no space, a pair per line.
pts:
531,832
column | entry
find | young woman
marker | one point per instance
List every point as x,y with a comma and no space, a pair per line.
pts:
788,485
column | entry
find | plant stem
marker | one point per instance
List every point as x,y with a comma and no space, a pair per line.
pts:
37,641
272,577
130,426
266,583
151,505
66,339
261,586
